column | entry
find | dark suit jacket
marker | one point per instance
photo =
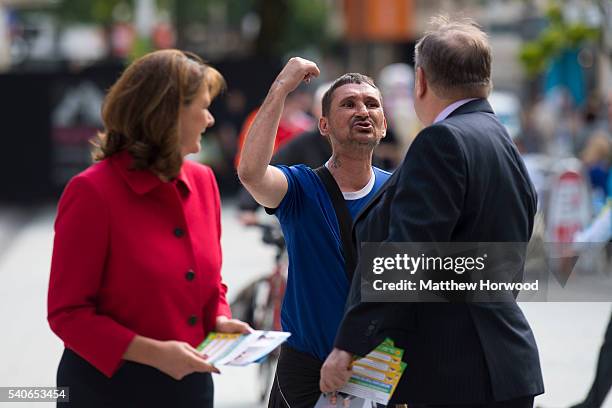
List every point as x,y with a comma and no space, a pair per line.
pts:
462,180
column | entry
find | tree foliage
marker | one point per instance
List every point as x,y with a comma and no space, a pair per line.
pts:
557,37
306,25
90,11
286,25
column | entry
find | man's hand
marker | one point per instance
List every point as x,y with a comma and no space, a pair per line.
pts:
336,370
225,325
297,70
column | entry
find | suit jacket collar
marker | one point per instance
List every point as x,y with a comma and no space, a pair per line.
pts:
143,181
477,105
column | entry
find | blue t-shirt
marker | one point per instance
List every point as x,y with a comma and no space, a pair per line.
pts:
317,284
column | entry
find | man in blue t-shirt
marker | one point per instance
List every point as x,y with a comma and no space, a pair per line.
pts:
353,120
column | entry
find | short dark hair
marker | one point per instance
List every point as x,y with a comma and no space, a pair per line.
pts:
456,58
141,110
350,78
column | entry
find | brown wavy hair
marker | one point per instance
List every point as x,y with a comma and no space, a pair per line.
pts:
141,110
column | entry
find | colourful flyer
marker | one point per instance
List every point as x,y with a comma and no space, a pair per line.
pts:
240,349
376,375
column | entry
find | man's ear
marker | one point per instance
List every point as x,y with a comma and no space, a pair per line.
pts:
323,126
420,83
384,132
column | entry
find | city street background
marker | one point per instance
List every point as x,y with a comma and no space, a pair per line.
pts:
568,334
552,75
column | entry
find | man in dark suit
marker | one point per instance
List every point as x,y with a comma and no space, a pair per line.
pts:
462,180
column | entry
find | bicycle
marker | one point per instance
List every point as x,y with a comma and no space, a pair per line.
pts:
259,304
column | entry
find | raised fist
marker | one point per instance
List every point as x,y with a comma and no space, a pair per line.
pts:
295,71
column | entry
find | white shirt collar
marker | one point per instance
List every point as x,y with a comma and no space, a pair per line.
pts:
451,108
356,195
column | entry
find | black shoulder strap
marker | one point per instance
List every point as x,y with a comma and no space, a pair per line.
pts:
345,221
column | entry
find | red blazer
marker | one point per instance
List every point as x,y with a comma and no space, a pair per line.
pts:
134,255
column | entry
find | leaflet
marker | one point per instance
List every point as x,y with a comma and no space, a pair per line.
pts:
343,401
240,349
374,378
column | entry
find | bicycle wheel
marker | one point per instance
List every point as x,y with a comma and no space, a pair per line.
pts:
267,368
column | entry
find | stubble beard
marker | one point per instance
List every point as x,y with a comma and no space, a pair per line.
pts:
352,143
354,140
351,147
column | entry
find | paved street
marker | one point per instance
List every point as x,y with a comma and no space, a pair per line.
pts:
568,334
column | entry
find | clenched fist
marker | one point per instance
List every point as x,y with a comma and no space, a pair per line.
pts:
295,71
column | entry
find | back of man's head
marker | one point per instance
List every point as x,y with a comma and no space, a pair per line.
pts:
350,78
456,58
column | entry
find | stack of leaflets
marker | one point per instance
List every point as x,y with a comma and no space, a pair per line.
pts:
240,349
374,379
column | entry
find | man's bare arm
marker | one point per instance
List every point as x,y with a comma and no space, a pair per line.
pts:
266,183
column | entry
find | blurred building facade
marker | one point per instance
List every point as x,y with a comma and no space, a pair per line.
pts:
75,49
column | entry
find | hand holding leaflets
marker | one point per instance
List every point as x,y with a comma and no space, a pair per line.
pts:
374,379
240,349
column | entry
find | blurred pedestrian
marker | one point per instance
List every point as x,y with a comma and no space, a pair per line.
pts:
135,276
596,160
316,209
591,121
293,121
396,82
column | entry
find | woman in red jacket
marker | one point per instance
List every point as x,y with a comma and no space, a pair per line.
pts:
135,276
